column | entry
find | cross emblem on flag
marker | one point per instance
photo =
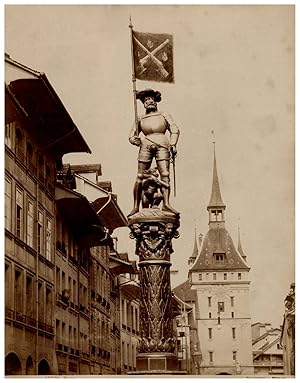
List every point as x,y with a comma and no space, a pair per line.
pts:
153,56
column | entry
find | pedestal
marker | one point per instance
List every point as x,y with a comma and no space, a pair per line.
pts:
153,231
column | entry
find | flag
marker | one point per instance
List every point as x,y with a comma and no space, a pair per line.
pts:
153,56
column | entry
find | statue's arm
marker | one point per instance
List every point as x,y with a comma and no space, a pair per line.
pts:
134,138
173,129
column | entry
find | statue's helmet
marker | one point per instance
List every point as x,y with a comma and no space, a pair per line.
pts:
148,93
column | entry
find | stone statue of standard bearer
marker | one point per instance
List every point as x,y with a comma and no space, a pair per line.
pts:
155,144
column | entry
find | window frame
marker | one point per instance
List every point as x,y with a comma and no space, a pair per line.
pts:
19,231
30,227
8,204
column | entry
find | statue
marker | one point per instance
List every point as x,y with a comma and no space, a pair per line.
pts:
151,189
155,144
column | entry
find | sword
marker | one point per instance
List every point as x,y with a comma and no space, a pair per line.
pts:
174,175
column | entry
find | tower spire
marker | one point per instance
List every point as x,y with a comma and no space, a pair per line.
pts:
240,249
215,197
195,251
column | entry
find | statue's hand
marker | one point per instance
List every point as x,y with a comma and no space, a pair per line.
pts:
173,150
135,140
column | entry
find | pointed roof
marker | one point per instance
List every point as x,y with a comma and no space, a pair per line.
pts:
240,249
216,241
195,250
215,197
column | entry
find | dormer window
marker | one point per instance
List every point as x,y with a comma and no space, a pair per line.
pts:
219,258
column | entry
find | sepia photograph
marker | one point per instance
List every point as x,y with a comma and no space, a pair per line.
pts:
149,178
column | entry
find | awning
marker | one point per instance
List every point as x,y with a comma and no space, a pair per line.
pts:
118,266
51,123
81,216
109,213
131,288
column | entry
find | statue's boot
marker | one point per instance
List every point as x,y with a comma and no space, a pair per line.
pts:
166,204
137,191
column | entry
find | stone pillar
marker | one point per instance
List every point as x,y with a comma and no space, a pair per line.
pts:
153,231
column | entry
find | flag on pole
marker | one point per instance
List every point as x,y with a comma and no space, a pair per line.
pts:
153,56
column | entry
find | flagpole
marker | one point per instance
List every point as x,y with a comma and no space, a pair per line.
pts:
133,78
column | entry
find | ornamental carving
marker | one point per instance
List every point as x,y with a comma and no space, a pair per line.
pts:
153,232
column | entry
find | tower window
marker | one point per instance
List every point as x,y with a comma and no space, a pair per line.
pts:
225,276
210,333
221,307
211,356
216,215
209,301
209,315
200,277
214,276
233,333
234,355
232,301
232,314
239,276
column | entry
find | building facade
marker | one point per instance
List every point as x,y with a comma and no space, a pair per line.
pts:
188,342
267,351
38,132
62,289
220,278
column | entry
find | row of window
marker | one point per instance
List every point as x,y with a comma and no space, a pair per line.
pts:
221,305
20,294
68,288
210,315
128,355
37,233
206,276
233,333
130,317
66,336
15,140
211,356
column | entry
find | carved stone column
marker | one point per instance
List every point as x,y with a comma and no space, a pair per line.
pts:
153,231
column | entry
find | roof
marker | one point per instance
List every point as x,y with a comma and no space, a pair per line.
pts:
216,241
85,168
185,293
50,122
109,212
79,213
215,197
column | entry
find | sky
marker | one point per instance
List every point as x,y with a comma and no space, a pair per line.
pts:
234,84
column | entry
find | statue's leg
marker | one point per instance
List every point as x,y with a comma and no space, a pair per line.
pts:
137,190
163,167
